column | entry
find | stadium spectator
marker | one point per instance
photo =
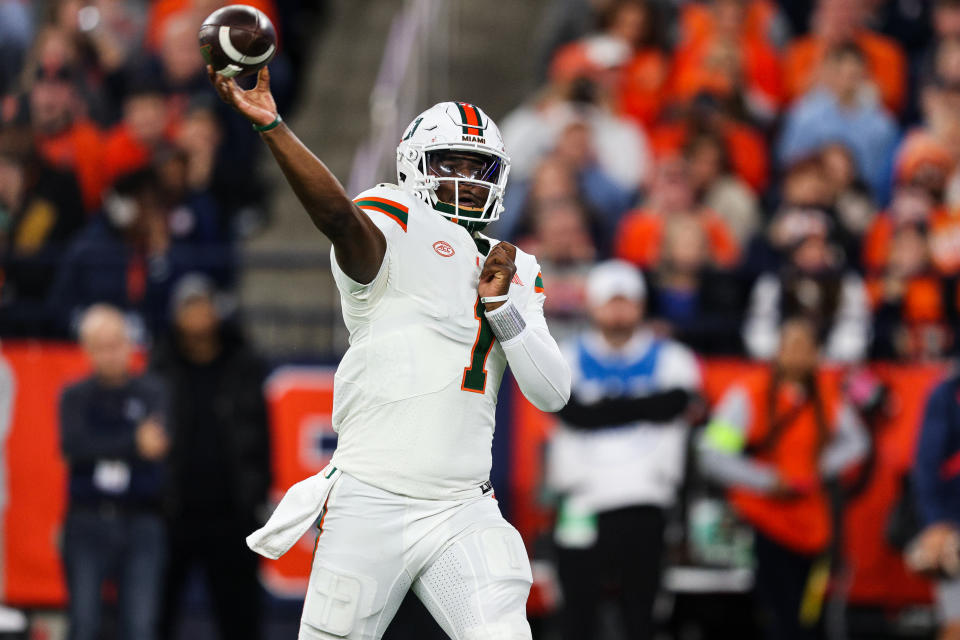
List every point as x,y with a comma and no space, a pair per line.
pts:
193,212
774,439
104,35
728,59
813,281
641,81
944,26
644,77
40,211
917,202
848,194
66,138
16,34
219,461
560,233
618,459
838,22
570,170
708,114
718,189
840,109
696,303
147,123
639,238
585,93
761,19
808,184
552,181
627,22
181,65
113,437
936,485
913,307
929,152
129,257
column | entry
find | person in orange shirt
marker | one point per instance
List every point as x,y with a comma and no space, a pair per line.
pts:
729,60
146,124
916,201
775,439
65,138
707,114
640,235
626,54
761,19
911,304
837,22
642,80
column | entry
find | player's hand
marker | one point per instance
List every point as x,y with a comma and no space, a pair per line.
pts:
497,272
256,105
152,440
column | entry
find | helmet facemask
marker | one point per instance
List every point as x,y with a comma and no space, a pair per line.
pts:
467,184
461,182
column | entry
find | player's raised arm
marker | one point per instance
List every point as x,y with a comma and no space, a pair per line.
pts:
358,243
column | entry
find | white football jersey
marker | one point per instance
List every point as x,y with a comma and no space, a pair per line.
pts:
415,394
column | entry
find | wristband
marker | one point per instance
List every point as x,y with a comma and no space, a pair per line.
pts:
267,127
492,299
506,322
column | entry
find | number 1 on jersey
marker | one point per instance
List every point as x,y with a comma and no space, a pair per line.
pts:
475,376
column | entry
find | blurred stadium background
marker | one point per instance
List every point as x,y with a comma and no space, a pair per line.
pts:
755,158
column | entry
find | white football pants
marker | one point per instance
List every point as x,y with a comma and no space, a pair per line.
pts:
461,558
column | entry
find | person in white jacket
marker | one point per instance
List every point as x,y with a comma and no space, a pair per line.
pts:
812,282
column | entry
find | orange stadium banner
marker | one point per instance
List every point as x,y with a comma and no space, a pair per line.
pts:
301,404
301,400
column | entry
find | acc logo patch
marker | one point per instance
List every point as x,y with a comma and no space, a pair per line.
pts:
443,248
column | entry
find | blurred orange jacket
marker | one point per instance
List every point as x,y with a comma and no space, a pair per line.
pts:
79,149
801,523
640,237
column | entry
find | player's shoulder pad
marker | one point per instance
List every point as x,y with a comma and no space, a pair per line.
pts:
390,201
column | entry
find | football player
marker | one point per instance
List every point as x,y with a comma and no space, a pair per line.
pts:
436,311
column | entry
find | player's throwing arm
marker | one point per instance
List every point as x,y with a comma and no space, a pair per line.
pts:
358,243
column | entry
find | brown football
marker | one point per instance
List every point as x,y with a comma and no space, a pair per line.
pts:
237,40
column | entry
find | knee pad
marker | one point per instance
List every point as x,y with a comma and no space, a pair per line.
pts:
335,602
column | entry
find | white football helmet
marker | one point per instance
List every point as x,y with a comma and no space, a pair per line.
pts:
456,144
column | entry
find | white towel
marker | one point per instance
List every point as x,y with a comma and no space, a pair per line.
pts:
299,508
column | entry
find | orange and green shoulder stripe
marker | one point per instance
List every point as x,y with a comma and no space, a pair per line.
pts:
538,283
396,211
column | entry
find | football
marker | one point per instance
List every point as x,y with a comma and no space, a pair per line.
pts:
237,40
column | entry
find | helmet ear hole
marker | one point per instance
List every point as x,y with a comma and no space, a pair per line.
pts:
403,177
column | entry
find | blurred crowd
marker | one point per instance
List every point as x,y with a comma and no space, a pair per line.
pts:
775,180
120,171
754,159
